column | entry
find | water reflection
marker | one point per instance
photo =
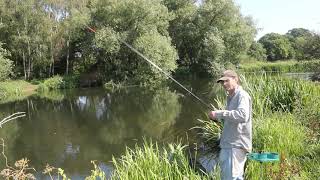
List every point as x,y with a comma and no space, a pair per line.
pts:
69,129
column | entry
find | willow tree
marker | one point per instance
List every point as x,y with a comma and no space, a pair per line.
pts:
303,42
278,47
209,35
141,23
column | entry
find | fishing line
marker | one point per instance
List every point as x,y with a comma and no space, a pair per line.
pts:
161,70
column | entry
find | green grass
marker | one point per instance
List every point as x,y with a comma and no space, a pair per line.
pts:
280,66
151,162
286,117
15,90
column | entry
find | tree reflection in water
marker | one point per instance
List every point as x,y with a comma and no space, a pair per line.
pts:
71,128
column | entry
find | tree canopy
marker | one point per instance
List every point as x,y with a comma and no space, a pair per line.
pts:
52,37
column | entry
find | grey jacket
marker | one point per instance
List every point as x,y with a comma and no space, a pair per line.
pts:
237,119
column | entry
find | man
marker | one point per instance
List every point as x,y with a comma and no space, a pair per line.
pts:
236,137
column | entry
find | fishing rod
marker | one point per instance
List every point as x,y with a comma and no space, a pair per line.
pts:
161,70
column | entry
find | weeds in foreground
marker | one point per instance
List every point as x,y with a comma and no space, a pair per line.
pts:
50,170
20,171
151,162
96,172
209,133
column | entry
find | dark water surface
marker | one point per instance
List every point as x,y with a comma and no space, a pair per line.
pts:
68,129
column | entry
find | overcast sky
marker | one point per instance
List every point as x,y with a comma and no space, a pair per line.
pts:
279,16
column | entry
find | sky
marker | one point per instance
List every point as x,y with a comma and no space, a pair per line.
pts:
280,16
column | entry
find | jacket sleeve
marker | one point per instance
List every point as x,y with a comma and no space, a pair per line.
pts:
240,114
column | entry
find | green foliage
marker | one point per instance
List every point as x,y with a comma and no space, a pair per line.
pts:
209,133
55,82
271,93
211,130
55,37
311,162
70,81
108,40
280,133
312,48
150,162
14,90
305,43
211,60
257,51
209,36
158,49
299,38
307,108
281,66
287,133
141,23
59,82
278,46
5,64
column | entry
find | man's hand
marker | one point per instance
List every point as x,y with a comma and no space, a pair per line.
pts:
212,115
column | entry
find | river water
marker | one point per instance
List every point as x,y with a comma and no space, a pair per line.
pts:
68,129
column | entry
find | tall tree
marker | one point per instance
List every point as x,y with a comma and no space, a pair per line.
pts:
299,38
24,29
278,46
138,22
209,35
257,51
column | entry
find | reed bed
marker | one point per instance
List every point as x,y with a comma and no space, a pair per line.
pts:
281,66
151,162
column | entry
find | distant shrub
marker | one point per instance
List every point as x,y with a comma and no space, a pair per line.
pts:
70,81
59,82
55,82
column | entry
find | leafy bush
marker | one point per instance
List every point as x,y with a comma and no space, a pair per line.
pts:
55,82
5,64
70,81
58,82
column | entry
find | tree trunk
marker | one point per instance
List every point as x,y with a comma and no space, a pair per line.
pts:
29,60
52,59
24,65
68,51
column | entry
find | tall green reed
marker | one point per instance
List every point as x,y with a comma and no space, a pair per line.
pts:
151,162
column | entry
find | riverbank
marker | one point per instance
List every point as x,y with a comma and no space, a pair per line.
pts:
286,121
14,90
291,66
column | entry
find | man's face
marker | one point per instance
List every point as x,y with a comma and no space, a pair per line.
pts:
229,84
